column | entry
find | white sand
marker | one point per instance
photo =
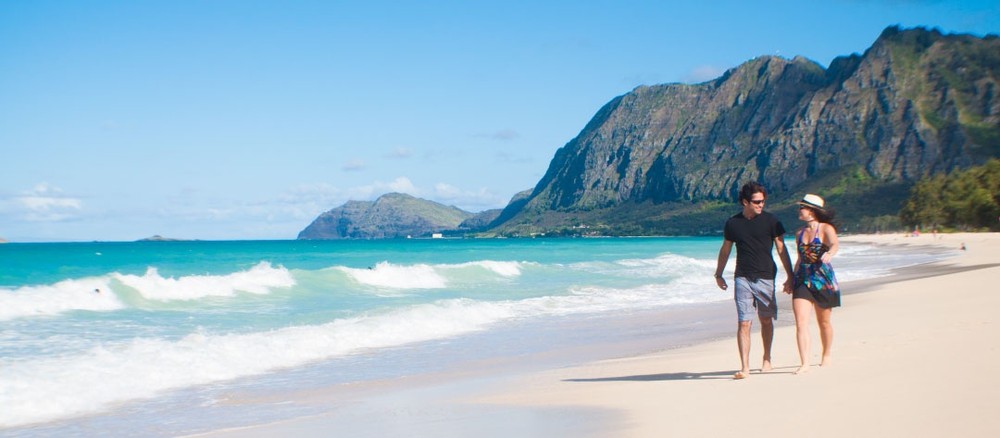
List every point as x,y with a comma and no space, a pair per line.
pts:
911,358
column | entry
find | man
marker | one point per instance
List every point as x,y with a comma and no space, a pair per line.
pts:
755,232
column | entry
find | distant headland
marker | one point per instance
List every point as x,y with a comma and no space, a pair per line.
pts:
159,238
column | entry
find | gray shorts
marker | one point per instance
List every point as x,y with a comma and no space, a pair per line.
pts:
755,294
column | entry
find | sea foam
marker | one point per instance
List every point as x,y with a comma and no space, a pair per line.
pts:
99,293
424,276
37,390
501,268
388,275
260,279
47,300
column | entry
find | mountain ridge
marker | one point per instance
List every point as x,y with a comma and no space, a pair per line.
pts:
669,159
915,103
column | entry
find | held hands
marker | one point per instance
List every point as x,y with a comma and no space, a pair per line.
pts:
787,287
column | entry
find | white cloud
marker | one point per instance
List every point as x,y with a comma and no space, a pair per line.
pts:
310,191
403,185
308,199
293,209
501,135
469,200
371,191
400,152
446,190
191,214
353,166
703,73
46,203
507,157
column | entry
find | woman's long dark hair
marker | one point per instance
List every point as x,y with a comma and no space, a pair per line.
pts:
824,216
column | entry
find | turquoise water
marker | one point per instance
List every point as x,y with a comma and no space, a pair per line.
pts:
86,328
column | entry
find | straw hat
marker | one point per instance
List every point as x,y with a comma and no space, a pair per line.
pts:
812,201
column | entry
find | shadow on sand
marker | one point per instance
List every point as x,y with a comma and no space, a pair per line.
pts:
708,375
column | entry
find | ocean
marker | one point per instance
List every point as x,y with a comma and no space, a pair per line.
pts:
155,338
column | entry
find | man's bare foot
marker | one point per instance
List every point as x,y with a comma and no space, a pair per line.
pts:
740,375
826,362
802,369
766,366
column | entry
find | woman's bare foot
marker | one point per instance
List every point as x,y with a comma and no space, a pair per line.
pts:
766,366
826,361
802,369
740,375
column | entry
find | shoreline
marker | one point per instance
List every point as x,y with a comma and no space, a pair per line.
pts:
907,360
685,389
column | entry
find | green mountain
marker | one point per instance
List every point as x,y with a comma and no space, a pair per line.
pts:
392,215
669,159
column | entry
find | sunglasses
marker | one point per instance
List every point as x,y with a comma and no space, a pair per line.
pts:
757,201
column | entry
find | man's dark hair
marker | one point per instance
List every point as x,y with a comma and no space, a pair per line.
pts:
748,189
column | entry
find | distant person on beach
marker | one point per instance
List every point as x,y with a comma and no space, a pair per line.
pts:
755,233
816,289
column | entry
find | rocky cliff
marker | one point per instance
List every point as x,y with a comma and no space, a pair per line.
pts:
670,158
390,216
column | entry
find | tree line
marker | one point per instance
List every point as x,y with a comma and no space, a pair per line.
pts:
965,200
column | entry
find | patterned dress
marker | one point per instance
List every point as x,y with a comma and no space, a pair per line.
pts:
815,275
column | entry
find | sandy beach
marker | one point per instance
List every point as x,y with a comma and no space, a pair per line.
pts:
914,355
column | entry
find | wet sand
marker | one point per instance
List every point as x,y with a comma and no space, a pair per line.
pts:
913,353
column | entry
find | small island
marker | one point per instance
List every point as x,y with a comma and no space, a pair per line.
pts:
159,238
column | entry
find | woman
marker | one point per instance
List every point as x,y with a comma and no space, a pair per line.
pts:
816,289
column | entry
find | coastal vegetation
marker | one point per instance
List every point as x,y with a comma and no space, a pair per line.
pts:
965,200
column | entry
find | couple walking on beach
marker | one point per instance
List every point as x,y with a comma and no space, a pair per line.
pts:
811,282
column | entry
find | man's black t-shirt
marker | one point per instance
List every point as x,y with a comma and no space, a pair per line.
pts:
754,240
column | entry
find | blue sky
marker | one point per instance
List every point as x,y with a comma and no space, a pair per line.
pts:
246,119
